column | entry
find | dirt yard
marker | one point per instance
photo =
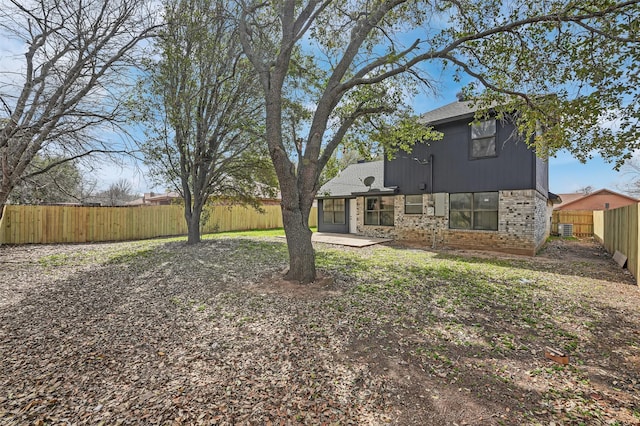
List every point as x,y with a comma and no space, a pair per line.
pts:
157,332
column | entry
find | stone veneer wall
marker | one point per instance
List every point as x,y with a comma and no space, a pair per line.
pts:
517,226
523,224
409,227
543,215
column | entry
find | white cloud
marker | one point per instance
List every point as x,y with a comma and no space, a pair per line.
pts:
611,119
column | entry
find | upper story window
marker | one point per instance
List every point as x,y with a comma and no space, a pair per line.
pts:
477,210
413,204
333,211
379,211
483,139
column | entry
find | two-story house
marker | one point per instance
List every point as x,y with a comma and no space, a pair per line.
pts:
480,187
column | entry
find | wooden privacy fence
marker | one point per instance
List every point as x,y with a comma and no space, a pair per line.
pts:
618,229
582,221
77,224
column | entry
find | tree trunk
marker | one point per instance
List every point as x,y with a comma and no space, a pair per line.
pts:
193,223
5,189
295,208
302,258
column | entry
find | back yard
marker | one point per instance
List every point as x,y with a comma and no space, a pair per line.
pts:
155,332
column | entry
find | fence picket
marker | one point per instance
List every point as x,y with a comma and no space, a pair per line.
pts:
78,224
582,221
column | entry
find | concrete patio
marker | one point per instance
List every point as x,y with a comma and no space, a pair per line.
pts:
349,240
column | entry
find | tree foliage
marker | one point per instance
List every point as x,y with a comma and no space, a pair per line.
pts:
338,163
204,109
561,69
117,194
569,68
64,183
631,171
65,92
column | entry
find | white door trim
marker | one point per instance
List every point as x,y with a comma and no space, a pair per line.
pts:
353,216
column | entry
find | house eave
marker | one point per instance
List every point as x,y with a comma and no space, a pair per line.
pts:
386,191
450,119
332,196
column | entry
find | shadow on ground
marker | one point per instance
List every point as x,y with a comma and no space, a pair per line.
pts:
166,333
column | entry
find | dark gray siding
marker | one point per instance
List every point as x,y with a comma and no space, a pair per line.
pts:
514,166
542,176
330,227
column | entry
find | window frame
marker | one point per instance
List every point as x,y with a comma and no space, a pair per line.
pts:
473,139
413,204
379,212
332,211
474,209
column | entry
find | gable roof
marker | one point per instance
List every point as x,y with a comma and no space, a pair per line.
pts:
454,110
350,181
451,112
570,199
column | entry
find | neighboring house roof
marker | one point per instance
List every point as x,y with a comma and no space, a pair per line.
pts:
568,198
261,191
350,181
596,200
169,196
265,192
136,202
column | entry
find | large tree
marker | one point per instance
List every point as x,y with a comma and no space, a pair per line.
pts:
63,96
205,111
567,67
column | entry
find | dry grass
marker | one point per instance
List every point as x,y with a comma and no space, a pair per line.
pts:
157,332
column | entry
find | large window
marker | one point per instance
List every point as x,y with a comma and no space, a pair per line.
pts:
333,211
483,139
378,211
474,211
413,204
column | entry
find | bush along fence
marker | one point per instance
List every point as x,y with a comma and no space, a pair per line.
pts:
79,224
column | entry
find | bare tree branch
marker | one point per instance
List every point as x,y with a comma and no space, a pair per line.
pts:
75,75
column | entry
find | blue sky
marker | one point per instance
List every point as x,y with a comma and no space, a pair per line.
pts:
566,174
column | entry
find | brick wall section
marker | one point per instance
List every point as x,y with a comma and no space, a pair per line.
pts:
522,217
543,215
421,227
523,225
376,231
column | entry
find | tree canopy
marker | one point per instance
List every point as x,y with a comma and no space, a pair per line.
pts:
565,72
64,183
66,91
204,111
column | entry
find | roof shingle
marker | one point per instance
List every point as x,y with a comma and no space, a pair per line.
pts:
351,180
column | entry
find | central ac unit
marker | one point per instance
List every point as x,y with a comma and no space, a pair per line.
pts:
565,229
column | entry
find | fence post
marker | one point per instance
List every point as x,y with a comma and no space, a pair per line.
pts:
2,219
